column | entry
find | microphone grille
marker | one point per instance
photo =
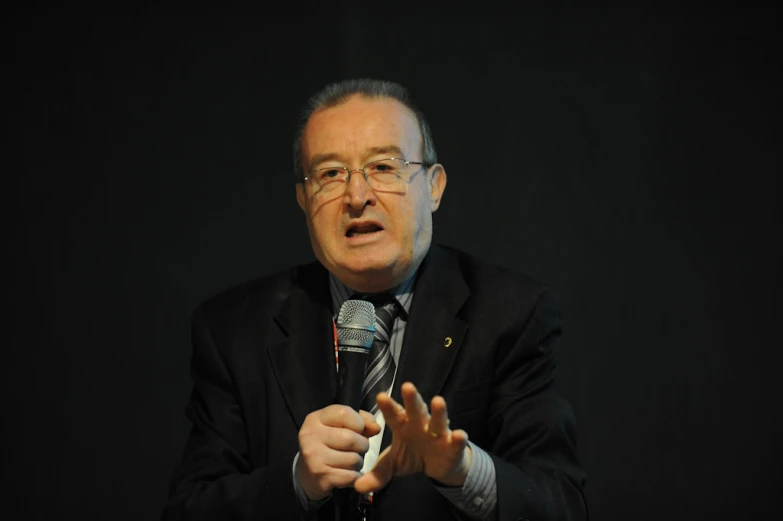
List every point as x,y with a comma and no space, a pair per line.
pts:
357,312
363,336
356,321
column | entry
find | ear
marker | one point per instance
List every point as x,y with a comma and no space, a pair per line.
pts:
437,185
300,195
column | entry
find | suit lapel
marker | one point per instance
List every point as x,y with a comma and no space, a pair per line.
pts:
434,332
303,359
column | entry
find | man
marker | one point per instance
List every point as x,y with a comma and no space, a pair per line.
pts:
472,427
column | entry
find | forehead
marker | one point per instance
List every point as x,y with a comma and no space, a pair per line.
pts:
360,124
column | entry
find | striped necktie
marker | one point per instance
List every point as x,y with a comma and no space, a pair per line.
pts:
380,366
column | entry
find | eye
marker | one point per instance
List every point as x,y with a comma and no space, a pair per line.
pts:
329,174
387,166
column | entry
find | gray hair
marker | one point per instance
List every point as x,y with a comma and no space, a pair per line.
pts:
337,93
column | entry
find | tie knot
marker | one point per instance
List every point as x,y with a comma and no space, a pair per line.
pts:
384,303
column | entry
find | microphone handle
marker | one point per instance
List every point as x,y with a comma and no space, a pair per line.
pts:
353,362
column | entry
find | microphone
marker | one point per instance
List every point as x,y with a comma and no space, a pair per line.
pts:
355,334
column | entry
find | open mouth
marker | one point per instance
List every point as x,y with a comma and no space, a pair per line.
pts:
362,229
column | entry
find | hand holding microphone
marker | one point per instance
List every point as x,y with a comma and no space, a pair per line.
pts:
333,440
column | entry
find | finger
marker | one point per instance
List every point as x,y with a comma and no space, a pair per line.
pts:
393,413
339,459
342,416
371,427
378,477
439,420
319,461
338,438
342,478
414,404
459,438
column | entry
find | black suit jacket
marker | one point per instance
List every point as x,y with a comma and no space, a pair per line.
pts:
263,359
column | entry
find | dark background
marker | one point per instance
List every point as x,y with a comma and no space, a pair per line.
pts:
629,158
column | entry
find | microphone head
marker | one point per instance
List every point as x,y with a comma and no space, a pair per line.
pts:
356,324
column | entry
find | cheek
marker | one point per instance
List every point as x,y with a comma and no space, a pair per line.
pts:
414,221
322,223
320,233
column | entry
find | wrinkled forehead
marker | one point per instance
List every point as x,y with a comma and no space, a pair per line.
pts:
358,126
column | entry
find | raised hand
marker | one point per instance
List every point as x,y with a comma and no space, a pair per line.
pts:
421,442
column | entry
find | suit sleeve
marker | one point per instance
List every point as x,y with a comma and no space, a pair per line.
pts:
215,479
531,427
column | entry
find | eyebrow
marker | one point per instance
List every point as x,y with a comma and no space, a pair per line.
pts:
321,158
391,149
372,151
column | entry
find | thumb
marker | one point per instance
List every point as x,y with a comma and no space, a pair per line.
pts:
371,427
379,476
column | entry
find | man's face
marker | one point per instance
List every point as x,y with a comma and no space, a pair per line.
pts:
369,240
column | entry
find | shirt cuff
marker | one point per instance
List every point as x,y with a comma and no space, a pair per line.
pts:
478,497
306,504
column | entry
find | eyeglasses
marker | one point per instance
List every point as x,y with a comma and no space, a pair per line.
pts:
383,175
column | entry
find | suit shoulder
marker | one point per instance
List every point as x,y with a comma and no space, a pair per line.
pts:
482,276
502,298
261,291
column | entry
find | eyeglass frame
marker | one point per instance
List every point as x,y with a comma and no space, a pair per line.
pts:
364,174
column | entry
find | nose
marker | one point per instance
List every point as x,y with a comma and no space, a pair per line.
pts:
359,193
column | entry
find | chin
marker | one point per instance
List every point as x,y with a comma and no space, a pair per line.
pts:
369,268
374,270
368,275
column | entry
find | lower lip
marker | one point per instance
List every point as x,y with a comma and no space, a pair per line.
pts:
364,238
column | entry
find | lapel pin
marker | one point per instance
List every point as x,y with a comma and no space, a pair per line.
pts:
447,341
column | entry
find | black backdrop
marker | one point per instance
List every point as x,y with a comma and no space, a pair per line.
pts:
629,158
